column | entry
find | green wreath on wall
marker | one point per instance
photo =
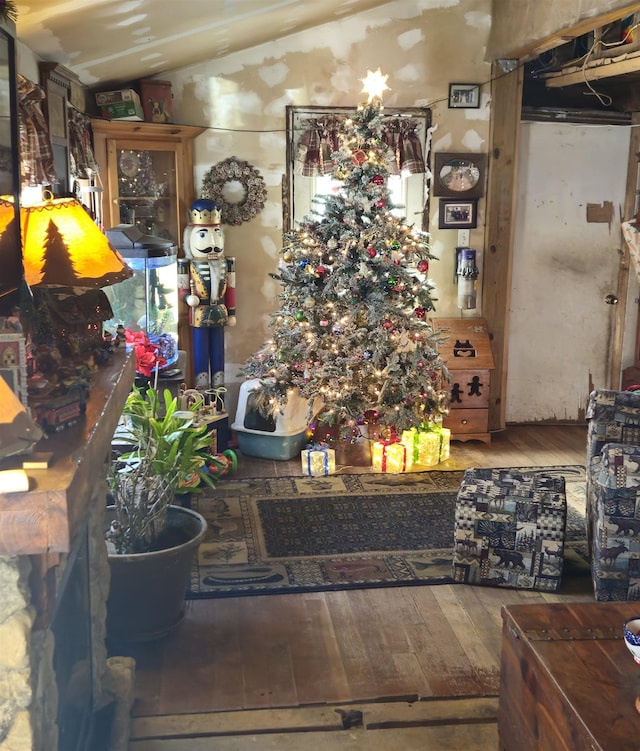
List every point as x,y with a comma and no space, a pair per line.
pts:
222,176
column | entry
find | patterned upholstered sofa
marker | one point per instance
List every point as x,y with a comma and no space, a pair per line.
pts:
613,493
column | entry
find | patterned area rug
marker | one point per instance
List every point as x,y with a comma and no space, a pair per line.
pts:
297,534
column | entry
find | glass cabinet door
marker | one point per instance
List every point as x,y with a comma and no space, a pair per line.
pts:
146,183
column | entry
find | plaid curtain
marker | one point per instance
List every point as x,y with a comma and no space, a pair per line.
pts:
36,155
321,138
318,142
399,133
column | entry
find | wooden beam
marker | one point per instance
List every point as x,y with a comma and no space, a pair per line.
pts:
594,70
506,97
536,47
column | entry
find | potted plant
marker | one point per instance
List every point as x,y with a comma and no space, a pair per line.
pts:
151,541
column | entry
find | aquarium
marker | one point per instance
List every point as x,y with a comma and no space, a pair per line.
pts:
148,301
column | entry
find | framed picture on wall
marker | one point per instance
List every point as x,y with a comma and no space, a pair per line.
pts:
464,95
458,214
459,175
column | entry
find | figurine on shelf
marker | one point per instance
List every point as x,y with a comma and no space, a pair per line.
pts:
210,294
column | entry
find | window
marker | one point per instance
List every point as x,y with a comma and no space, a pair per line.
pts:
312,136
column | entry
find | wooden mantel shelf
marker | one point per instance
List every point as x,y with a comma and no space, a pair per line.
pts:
46,518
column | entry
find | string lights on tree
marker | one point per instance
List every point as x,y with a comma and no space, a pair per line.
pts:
352,327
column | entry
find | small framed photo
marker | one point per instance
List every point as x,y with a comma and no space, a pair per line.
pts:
458,214
459,175
464,95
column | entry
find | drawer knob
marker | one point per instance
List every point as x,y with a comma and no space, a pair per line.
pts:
464,422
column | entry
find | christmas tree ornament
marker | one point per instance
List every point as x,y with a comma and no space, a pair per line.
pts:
300,316
420,312
371,251
423,266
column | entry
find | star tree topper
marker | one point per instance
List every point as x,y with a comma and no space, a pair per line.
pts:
374,85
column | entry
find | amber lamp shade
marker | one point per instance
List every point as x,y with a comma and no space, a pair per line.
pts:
10,255
62,246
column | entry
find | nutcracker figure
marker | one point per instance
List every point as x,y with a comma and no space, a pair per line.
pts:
208,288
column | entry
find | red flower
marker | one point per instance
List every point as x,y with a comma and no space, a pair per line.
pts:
147,354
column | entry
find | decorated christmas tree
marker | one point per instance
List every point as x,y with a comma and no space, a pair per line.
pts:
352,327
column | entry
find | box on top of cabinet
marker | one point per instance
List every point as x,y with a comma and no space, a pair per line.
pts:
123,104
157,100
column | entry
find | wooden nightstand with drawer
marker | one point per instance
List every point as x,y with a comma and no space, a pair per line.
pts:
467,355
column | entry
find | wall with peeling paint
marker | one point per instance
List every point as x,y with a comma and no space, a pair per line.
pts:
241,99
565,262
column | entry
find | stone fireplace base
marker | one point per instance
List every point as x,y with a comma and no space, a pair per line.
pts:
30,699
51,687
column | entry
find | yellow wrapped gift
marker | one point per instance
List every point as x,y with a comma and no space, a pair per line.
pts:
390,456
422,446
427,445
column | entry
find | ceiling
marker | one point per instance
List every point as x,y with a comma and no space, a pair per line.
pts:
103,41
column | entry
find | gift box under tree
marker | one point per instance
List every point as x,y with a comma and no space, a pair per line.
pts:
427,445
390,456
318,461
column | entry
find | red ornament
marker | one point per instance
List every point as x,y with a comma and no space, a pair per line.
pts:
387,324
359,157
371,251
380,203
321,271
423,266
324,322
420,312
378,180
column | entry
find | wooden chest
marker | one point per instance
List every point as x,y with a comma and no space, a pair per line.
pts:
567,680
467,355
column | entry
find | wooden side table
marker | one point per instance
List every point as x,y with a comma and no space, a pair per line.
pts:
467,355
567,680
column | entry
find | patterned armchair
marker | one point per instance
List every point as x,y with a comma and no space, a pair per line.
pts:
613,493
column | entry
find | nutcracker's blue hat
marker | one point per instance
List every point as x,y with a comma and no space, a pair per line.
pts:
204,211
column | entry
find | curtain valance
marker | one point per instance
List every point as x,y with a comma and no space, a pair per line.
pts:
320,139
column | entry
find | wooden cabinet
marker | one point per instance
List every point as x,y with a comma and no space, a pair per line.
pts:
567,680
146,171
467,355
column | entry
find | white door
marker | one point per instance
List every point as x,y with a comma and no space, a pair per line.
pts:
563,268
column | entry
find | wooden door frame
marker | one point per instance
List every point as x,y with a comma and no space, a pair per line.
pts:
504,138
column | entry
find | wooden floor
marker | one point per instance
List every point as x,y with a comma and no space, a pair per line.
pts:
399,667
